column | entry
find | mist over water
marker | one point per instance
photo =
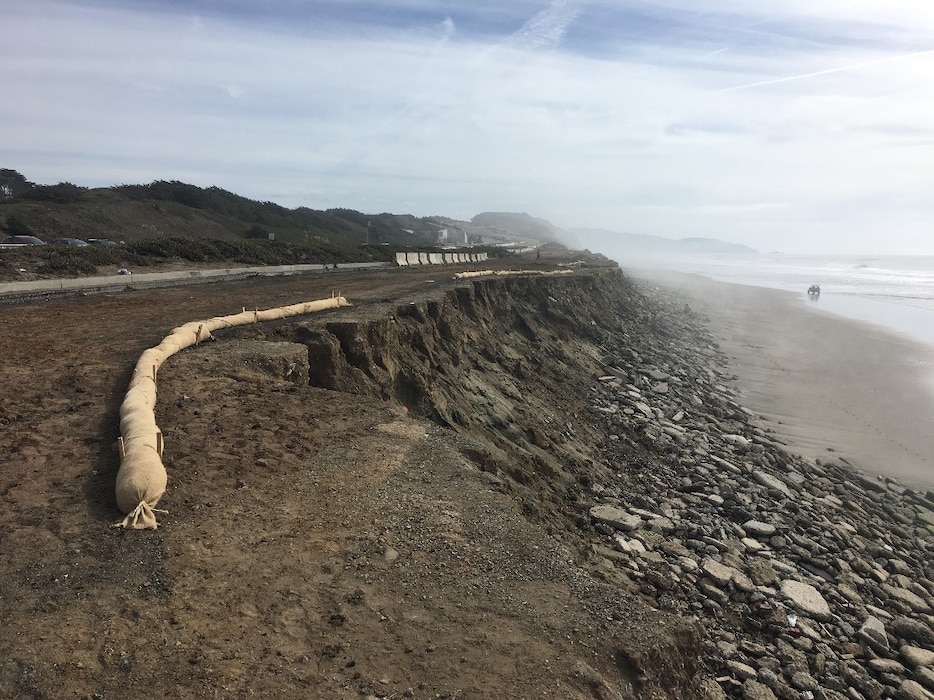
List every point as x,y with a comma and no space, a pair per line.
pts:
895,292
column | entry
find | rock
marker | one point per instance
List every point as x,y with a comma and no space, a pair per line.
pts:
736,439
925,676
717,572
740,671
615,517
887,666
761,572
912,600
859,679
806,599
873,633
645,409
910,690
753,690
709,689
802,680
770,482
916,656
743,582
757,528
913,631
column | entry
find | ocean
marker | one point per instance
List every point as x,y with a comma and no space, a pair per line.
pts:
892,291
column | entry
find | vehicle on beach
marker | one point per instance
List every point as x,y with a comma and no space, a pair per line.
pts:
814,290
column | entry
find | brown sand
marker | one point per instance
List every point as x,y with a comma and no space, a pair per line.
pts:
828,386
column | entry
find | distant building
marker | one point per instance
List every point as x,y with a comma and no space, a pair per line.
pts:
452,235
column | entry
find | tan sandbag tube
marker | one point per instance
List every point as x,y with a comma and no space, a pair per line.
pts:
141,479
506,273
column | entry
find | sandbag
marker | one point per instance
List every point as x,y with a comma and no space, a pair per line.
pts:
142,479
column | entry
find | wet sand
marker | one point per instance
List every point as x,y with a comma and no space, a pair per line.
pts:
828,386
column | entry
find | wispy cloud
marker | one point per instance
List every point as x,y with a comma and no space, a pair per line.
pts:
547,28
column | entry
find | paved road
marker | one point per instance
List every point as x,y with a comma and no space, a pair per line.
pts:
149,280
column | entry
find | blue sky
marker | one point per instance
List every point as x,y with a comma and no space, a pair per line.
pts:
802,126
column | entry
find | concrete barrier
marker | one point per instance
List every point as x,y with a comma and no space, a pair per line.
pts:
407,259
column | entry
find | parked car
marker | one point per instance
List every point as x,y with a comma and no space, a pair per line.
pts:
101,241
21,240
70,241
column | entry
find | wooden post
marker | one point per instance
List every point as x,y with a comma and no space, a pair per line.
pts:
120,448
159,443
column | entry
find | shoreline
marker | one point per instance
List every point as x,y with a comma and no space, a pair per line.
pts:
828,386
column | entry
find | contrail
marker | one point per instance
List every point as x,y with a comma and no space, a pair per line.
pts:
842,69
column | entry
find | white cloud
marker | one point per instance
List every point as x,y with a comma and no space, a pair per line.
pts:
829,140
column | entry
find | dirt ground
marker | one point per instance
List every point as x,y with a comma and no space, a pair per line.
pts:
318,543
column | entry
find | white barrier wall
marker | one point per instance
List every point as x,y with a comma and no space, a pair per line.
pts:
406,259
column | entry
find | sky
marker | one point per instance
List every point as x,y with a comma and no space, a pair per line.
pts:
803,126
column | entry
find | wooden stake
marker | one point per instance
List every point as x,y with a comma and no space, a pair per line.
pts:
159,444
120,448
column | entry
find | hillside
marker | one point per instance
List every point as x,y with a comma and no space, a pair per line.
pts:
176,209
166,223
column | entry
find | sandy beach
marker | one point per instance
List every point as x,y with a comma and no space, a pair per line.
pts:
828,386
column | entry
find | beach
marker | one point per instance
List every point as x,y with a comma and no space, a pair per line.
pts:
828,386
